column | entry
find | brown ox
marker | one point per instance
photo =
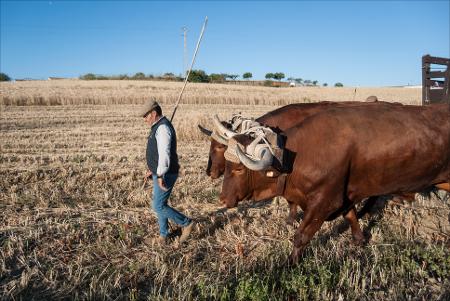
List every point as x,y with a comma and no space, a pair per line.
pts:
343,155
280,119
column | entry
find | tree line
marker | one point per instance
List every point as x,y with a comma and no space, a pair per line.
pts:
200,76
196,76
136,76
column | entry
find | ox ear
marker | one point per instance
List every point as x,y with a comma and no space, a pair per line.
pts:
204,131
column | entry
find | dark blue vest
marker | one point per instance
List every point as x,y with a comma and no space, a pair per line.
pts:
152,149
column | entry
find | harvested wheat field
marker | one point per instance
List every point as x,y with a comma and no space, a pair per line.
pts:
76,220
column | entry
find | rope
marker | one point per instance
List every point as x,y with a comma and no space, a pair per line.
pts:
252,128
259,133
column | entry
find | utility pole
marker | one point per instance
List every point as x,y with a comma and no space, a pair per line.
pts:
190,68
184,28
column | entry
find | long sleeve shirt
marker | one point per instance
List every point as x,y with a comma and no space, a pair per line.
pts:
163,136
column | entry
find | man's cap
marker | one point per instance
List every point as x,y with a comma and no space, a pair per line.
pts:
147,107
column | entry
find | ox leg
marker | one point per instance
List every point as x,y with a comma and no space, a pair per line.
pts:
292,213
370,202
310,224
352,219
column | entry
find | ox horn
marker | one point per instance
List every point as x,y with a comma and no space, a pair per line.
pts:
219,139
221,129
257,165
204,131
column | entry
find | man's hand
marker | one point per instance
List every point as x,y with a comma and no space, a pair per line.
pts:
162,185
148,174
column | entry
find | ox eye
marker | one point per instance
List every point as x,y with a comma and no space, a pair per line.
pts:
239,170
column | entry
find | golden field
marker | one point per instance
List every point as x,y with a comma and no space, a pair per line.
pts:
76,221
77,92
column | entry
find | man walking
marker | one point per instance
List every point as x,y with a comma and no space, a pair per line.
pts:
163,167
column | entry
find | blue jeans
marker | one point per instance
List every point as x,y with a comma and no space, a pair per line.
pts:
162,209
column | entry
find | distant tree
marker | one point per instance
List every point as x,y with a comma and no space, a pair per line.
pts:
338,85
4,77
299,80
247,75
217,78
325,84
307,82
234,76
269,75
225,75
123,76
291,79
278,76
168,76
315,83
198,76
139,75
88,76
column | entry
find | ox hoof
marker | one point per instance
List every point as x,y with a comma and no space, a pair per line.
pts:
360,241
295,257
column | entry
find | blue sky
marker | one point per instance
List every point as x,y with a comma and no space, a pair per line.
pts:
358,43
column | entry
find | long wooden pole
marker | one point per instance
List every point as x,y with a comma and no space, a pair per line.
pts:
190,69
